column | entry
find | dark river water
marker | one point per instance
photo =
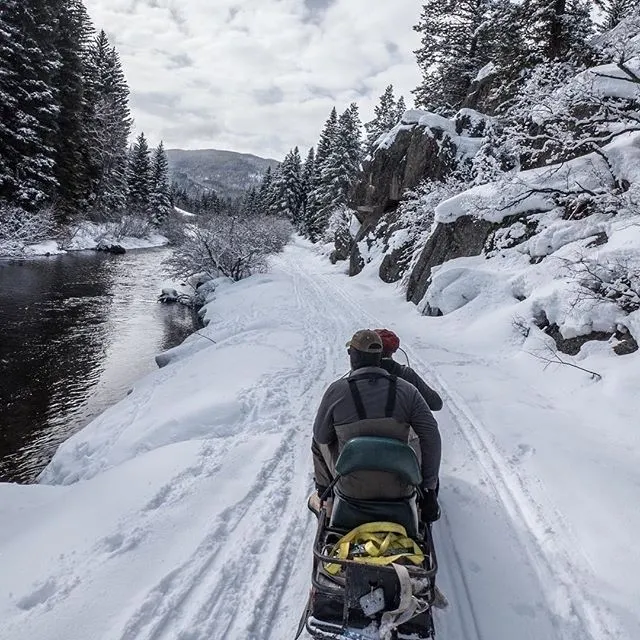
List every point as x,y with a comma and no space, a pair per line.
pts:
76,331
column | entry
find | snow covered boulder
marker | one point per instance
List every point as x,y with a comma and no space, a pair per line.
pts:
168,295
455,287
466,237
110,247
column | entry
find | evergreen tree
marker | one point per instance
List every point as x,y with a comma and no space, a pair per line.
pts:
273,199
72,144
209,203
52,101
454,47
509,51
614,11
28,102
339,171
385,118
139,177
265,192
308,182
327,138
109,125
323,151
505,29
159,197
251,202
401,107
558,28
288,189
309,170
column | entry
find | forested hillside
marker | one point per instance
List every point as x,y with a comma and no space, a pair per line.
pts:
65,126
228,173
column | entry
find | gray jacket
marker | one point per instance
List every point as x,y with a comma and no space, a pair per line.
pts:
407,373
337,420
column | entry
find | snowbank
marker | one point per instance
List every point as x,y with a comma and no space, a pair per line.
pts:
88,235
46,248
534,190
180,512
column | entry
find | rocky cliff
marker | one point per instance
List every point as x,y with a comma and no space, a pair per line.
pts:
553,232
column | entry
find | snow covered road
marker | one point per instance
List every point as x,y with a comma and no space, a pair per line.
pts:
180,512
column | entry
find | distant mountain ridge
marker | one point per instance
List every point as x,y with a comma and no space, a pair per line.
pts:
227,172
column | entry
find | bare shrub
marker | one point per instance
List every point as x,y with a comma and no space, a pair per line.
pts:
614,280
19,228
521,325
173,228
130,227
231,246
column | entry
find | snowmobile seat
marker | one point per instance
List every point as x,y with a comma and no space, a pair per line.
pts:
368,453
349,513
377,454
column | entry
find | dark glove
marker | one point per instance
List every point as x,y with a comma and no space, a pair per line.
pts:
429,507
321,491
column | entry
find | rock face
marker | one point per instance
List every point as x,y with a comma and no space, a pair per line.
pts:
464,237
343,242
423,147
417,153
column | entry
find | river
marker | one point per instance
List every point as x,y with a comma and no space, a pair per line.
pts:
76,332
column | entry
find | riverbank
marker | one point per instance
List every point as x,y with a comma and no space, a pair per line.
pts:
87,236
78,331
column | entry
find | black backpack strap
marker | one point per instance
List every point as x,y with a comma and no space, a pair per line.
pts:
391,398
357,400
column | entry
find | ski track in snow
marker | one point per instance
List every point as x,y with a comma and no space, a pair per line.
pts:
218,592
245,574
544,534
242,573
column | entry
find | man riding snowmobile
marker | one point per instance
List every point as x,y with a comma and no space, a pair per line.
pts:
373,402
390,344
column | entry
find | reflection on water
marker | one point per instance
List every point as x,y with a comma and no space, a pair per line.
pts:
76,331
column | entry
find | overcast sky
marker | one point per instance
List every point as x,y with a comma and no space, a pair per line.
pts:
256,76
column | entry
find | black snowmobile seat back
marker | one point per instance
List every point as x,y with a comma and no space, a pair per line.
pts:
377,454
380,454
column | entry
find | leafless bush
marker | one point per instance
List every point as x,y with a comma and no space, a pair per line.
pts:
229,246
173,228
130,227
19,228
612,280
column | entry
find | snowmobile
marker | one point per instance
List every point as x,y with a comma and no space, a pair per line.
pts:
374,562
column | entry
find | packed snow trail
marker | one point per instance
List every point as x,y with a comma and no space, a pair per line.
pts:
181,512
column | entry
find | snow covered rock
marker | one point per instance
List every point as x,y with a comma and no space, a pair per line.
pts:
466,237
110,247
422,146
168,295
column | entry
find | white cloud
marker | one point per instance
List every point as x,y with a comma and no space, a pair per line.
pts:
257,76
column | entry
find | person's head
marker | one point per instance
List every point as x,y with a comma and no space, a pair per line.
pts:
390,342
365,349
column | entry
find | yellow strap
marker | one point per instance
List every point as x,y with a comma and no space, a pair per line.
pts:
377,538
384,560
374,527
372,548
